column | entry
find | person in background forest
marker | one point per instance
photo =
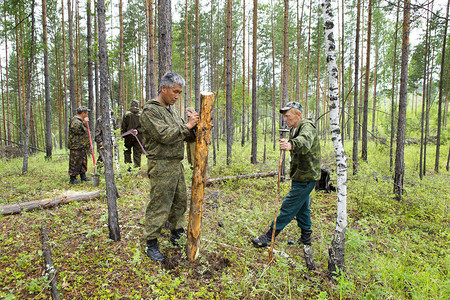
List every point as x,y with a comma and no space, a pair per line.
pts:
131,121
99,126
78,145
304,145
164,134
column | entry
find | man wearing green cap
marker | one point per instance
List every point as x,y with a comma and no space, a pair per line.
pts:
131,121
78,144
304,145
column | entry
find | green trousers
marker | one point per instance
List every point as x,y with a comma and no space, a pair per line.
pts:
167,199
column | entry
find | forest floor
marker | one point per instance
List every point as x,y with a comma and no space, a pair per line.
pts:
394,250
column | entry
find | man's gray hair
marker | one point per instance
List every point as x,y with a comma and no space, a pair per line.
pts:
170,79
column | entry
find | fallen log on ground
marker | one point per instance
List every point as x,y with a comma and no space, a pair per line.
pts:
50,269
213,181
46,203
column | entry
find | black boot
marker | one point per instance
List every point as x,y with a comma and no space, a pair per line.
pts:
73,180
265,239
176,235
152,251
84,178
305,239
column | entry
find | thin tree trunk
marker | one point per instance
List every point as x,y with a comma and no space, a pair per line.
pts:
273,76
111,190
186,33
48,108
441,83
299,44
26,147
98,106
243,75
228,84
254,151
393,88
150,78
374,103
355,96
164,38
197,56
7,128
306,84
121,64
285,69
343,71
66,104
317,110
20,92
73,102
60,104
337,248
399,153
366,86
91,100
199,175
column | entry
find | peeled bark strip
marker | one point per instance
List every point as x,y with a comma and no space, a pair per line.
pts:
337,249
50,269
199,176
47,203
213,181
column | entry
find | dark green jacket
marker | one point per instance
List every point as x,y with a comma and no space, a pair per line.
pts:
131,120
164,132
78,135
305,153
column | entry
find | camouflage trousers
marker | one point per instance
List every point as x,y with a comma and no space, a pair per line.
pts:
77,162
167,199
131,144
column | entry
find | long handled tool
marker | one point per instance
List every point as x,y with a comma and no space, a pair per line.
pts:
92,147
280,164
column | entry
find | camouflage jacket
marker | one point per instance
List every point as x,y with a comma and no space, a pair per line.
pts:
164,131
99,129
78,135
305,153
131,121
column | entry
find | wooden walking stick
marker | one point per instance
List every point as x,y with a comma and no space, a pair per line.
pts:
280,164
199,176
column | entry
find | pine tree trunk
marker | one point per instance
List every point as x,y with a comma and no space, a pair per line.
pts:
91,100
26,147
366,87
66,104
374,103
393,88
111,190
399,153
199,175
299,45
8,136
121,64
306,84
274,139
441,83
48,111
197,56
228,78
254,151
164,38
337,248
355,93
73,102
151,90
243,75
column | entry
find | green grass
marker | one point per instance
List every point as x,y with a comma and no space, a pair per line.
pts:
394,250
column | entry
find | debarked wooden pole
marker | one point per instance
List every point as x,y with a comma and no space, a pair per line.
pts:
204,128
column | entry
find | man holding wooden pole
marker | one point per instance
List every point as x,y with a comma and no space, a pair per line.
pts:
304,145
164,134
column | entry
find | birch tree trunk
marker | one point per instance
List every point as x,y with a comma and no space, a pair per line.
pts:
111,190
399,153
28,95
199,177
337,248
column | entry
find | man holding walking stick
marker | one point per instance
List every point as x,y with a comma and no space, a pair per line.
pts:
78,144
304,146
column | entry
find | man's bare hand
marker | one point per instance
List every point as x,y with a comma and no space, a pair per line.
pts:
193,119
285,145
86,120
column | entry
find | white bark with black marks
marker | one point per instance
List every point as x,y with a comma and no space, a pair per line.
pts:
337,249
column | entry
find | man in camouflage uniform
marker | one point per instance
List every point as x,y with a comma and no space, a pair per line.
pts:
304,145
164,134
78,145
131,121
